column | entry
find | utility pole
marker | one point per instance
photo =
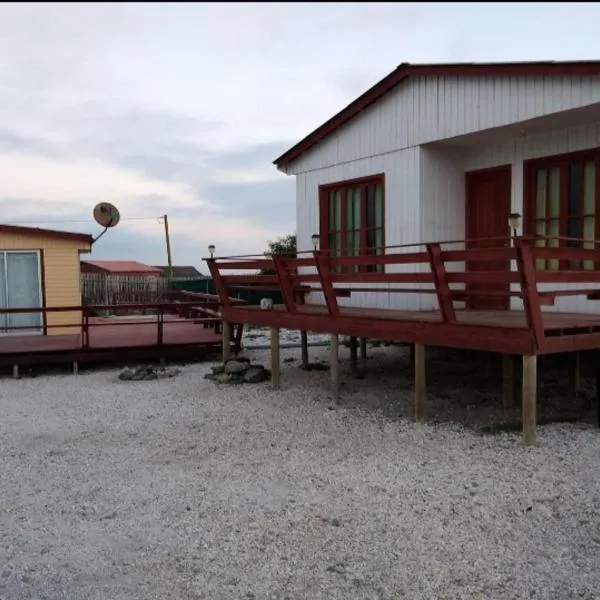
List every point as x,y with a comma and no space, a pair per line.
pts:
168,241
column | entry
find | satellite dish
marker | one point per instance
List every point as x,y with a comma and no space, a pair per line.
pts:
106,214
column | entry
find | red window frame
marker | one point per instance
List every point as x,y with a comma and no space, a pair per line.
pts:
326,228
562,162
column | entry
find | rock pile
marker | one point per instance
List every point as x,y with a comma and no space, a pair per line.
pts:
238,370
148,373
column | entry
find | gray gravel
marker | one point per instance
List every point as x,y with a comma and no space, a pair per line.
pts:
179,488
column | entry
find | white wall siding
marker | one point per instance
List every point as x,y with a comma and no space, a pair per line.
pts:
402,218
427,109
535,146
442,204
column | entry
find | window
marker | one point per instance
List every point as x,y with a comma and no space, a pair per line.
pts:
352,219
563,202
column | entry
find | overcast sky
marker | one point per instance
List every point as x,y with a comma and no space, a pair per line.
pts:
181,108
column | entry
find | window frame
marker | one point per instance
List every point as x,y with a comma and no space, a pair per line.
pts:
324,225
562,162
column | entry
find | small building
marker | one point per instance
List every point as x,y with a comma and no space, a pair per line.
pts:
181,273
442,152
113,282
40,268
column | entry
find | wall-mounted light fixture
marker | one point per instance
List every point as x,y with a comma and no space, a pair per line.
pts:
211,250
514,222
315,241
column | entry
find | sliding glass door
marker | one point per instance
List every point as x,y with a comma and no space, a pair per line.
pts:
20,287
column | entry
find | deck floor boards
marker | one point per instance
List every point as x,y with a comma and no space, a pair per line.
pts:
553,321
106,334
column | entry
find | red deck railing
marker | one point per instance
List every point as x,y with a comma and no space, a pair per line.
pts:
204,310
494,269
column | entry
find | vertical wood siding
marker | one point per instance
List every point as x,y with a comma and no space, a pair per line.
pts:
427,109
60,272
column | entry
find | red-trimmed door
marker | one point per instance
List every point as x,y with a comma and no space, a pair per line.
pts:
488,206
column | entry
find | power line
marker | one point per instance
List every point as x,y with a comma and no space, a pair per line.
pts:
77,220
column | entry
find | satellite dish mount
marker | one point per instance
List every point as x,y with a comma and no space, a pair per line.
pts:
106,215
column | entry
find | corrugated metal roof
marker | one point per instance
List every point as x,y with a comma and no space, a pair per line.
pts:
123,266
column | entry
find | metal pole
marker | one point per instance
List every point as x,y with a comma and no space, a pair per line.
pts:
168,242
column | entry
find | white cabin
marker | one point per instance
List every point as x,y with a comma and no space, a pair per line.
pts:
446,152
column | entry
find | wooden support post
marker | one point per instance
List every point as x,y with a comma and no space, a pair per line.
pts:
363,354
529,399
596,358
275,362
420,386
75,368
16,371
335,367
226,328
353,354
508,381
161,361
304,348
577,373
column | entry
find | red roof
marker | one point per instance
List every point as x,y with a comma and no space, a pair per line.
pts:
406,70
123,267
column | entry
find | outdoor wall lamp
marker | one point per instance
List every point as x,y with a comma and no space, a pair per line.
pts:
211,249
514,222
315,241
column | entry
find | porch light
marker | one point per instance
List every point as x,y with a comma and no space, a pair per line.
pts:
315,241
514,222
211,249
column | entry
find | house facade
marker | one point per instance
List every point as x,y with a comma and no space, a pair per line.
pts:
446,153
40,268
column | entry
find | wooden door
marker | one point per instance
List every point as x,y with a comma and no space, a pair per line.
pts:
488,206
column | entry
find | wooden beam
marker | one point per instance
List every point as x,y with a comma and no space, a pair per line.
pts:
304,347
353,354
442,289
529,399
420,384
363,353
531,298
275,362
285,284
325,277
226,340
335,367
508,380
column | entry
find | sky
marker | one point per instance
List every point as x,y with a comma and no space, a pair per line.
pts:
180,108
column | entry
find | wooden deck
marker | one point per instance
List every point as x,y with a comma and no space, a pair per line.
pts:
115,338
484,278
532,330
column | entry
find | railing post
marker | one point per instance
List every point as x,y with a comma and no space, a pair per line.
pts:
220,286
529,291
442,289
324,272
160,322
285,283
85,337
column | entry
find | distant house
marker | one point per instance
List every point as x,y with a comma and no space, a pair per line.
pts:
40,268
127,268
182,273
111,282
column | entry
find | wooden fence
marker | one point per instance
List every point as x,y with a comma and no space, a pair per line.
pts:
111,290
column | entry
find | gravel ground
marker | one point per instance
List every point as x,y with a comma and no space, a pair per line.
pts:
179,488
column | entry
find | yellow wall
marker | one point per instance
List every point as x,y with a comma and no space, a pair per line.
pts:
60,272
